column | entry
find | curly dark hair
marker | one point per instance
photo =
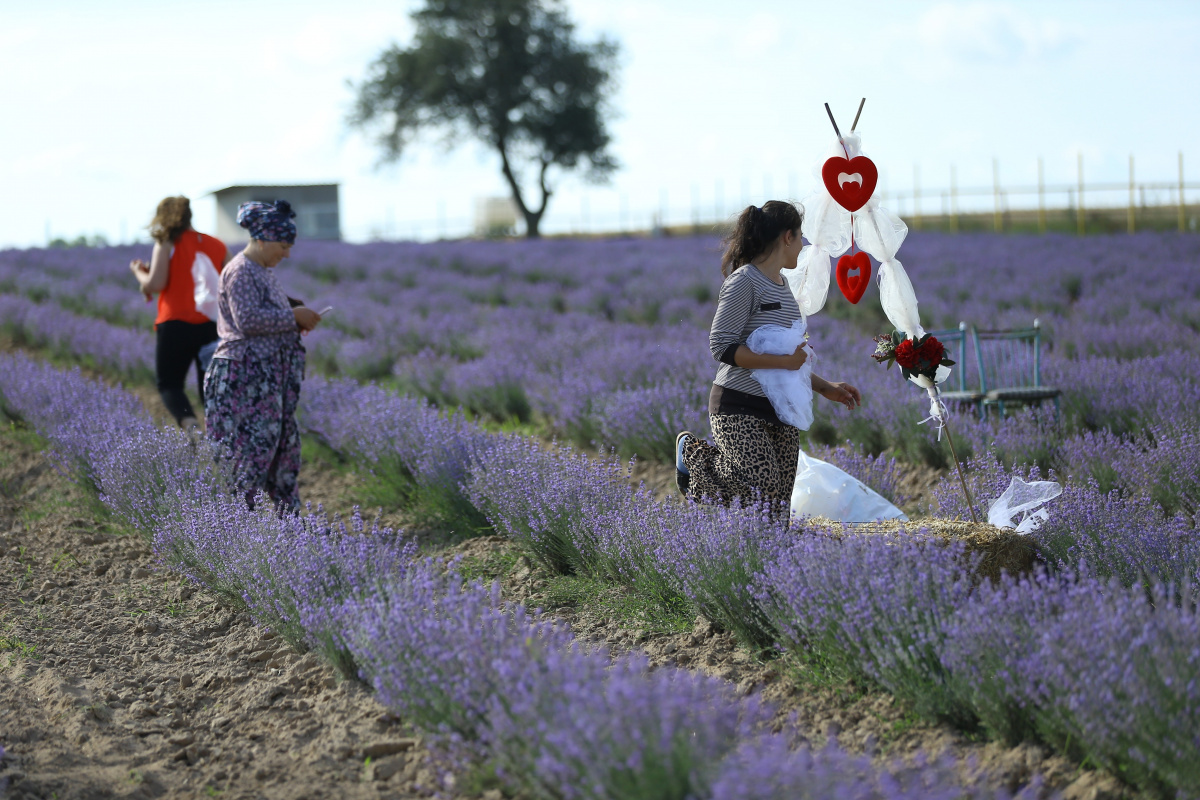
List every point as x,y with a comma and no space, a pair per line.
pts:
173,217
756,231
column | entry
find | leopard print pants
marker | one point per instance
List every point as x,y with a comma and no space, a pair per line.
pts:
751,457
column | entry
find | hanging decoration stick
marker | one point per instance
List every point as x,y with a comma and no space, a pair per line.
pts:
835,127
861,103
962,480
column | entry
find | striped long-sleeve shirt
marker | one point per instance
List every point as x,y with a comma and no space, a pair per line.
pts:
748,300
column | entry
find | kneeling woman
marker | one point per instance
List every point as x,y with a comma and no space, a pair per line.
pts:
253,384
755,454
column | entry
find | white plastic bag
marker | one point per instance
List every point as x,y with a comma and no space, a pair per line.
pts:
1021,498
823,490
207,285
789,390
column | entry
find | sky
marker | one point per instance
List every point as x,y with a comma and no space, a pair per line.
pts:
105,108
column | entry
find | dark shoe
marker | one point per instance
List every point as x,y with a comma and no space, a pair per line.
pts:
683,478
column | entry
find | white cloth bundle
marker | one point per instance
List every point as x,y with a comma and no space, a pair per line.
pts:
789,390
823,490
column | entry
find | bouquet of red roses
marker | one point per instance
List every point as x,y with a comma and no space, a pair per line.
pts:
915,356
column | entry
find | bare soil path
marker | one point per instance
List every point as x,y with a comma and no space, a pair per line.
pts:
119,680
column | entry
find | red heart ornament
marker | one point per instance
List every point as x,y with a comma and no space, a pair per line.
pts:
854,286
850,182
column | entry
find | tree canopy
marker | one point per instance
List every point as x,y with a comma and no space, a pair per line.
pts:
509,72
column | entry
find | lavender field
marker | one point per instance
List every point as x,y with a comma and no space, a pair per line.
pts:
604,344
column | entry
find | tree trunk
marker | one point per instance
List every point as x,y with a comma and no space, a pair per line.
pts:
533,217
532,220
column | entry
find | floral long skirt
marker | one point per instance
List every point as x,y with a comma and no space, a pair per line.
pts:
250,405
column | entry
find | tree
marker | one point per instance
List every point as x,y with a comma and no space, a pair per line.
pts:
509,72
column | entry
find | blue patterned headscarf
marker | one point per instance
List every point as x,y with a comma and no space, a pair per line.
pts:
271,222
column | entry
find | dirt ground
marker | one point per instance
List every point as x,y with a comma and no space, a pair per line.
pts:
120,680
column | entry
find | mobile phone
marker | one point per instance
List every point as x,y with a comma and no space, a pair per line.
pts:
325,310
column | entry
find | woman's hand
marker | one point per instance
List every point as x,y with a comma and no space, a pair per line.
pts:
306,318
840,392
141,271
795,360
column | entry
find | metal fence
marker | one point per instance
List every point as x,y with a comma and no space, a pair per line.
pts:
1081,207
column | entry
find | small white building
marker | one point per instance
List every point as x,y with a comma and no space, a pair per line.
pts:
495,216
316,205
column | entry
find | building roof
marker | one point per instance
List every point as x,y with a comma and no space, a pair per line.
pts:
239,186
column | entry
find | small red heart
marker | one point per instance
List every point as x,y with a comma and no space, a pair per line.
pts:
850,182
854,286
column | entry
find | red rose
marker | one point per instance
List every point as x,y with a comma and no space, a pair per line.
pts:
906,354
931,352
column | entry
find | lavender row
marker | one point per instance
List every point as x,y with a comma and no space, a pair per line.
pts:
127,352
890,610
1083,289
553,721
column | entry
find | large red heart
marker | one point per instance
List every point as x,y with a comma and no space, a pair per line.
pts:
850,182
854,286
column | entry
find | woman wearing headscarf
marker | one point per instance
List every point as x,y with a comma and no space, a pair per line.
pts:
253,383
182,265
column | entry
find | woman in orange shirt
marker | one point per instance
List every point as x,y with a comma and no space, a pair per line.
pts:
183,265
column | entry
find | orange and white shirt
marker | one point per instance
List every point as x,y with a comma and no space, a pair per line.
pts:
190,252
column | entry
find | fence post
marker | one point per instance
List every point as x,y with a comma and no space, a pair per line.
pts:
719,200
997,220
1041,197
917,196
953,199
695,208
1130,219
1079,218
1182,226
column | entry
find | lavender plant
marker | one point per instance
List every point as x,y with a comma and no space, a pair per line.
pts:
543,497
771,768
1099,670
873,607
621,730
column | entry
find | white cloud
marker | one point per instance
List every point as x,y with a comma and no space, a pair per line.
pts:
994,33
